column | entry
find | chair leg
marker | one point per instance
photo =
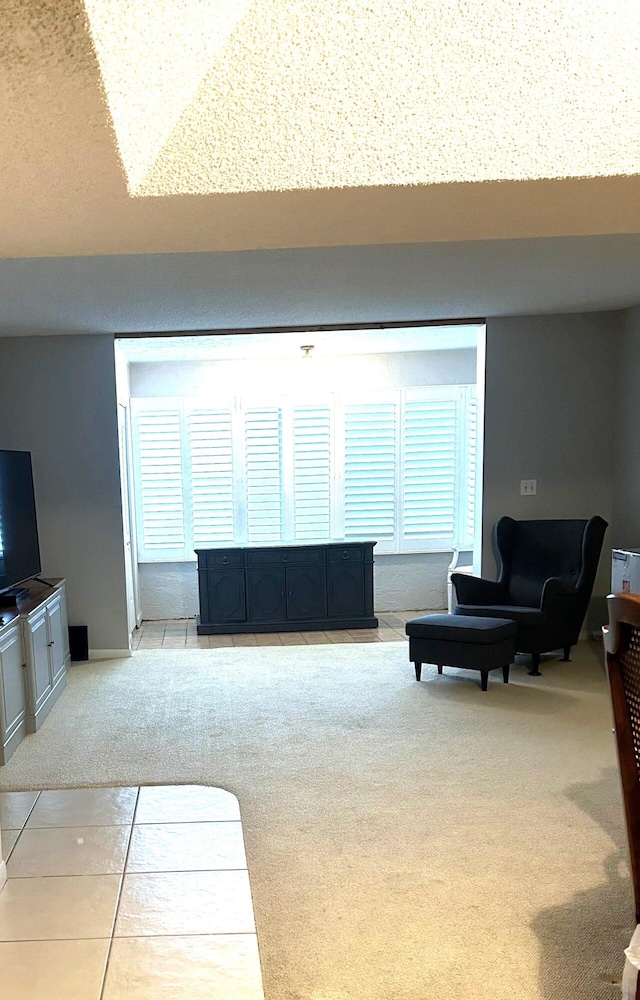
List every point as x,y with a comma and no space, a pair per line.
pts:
418,667
439,668
505,674
567,655
535,663
484,679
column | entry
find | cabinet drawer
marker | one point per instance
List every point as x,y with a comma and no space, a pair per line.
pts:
346,553
284,556
219,557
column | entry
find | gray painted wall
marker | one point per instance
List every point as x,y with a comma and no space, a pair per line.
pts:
627,436
58,400
549,416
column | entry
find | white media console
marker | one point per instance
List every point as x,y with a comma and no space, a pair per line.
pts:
34,659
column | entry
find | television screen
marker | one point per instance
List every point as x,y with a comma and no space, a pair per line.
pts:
19,549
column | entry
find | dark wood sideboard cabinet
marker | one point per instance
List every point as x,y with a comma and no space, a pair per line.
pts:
286,588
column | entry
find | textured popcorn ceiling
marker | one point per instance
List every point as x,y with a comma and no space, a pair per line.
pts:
263,95
153,56
276,97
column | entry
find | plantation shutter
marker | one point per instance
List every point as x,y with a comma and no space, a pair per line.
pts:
398,467
370,471
160,504
263,468
430,447
212,497
472,469
311,485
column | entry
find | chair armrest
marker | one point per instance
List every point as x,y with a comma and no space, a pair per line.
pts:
475,590
556,592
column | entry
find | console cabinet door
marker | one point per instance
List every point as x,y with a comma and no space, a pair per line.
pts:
306,593
38,663
346,590
222,597
266,595
13,703
57,629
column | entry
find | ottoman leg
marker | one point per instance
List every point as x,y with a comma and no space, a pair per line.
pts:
484,679
505,674
567,654
418,667
439,668
535,663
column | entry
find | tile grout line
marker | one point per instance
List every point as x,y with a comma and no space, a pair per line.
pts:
118,826
22,829
182,871
132,937
119,897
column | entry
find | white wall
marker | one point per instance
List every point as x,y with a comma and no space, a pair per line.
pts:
549,401
123,382
402,582
58,401
195,378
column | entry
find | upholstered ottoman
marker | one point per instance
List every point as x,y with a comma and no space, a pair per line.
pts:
482,644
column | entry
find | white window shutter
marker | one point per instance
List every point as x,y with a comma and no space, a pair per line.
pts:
263,460
211,454
311,486
398,467
159,492
370,471
472,466
430,444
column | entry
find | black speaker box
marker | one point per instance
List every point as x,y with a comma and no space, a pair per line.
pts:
79,642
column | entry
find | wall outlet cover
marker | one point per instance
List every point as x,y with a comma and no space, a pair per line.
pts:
528,487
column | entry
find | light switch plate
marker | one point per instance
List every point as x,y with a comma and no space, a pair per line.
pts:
528,487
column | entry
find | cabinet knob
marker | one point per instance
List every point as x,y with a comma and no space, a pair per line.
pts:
345,554
225,560
285,558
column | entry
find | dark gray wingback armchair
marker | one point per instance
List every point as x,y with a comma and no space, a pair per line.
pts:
546,571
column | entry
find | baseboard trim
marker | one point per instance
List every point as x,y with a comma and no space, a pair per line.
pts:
109,654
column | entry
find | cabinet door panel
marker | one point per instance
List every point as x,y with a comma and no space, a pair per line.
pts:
56,639
13,707
222,593
346,591
266,595
38,659
306,593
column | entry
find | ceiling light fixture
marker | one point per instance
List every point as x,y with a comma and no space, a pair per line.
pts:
307,349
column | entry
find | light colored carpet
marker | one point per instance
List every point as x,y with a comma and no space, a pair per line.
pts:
405,841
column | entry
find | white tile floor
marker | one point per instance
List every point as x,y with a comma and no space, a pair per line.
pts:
126,894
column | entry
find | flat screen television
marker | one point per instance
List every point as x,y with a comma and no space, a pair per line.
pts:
19,549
